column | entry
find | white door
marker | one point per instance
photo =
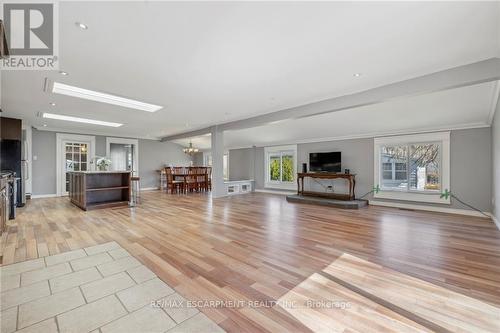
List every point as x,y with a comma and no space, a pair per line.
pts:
74,153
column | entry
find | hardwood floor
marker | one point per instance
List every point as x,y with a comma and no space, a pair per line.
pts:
395,270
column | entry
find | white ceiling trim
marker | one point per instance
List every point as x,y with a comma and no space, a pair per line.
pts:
370,135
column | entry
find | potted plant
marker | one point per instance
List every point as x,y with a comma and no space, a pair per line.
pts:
103,164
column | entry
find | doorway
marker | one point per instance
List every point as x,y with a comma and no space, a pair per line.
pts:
74,153
123,154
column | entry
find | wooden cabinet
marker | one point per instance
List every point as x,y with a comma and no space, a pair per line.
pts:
11,129
94,189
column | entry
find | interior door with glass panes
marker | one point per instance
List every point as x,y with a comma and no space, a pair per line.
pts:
76,158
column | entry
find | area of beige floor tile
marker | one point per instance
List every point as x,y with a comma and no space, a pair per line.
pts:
146,319
176,307
91,316
141,273
45,273
118,253
100,289
22,267
142,294
10,281
196,324
46,326
64,257
101,248
107,286
93,260
118,266
8,319
25,294
74,279
50,306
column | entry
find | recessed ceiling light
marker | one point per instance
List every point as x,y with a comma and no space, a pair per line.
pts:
53,104
80,120
65,89
81,25
63,73
44,125
357,74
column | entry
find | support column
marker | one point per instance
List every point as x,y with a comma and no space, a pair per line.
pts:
218,188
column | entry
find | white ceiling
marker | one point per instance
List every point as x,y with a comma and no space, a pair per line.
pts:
466,107
210,62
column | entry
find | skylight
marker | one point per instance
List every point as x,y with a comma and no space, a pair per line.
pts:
64,89
80,120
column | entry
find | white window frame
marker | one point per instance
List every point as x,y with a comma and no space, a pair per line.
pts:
443,138
134,142
60,154
268,183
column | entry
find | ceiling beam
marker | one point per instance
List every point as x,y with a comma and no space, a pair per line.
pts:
462,76
189,134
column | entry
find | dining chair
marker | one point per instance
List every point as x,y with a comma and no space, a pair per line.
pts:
201,178
172,184
209,178
191,181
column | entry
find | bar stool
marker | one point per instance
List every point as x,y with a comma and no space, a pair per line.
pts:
135,195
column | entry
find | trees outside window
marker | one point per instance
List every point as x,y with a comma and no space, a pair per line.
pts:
281,167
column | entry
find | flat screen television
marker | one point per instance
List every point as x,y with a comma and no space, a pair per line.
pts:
325,162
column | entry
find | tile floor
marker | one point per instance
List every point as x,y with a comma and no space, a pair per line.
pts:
96,289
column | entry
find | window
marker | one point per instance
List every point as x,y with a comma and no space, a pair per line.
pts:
400,171
387,170
280,165
424,167
413,167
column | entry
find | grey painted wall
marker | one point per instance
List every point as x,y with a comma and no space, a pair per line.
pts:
198,159
495,147
152,155
241,164
44,167
470,154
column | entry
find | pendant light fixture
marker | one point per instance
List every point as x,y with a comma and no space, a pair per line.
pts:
190,150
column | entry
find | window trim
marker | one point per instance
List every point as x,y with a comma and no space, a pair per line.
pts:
443,139
268,183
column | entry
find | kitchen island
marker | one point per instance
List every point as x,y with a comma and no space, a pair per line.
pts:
99,189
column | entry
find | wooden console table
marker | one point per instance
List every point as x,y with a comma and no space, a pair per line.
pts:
351,178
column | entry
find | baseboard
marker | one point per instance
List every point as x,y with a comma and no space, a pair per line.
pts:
429,208
150,188
39,196
281,192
